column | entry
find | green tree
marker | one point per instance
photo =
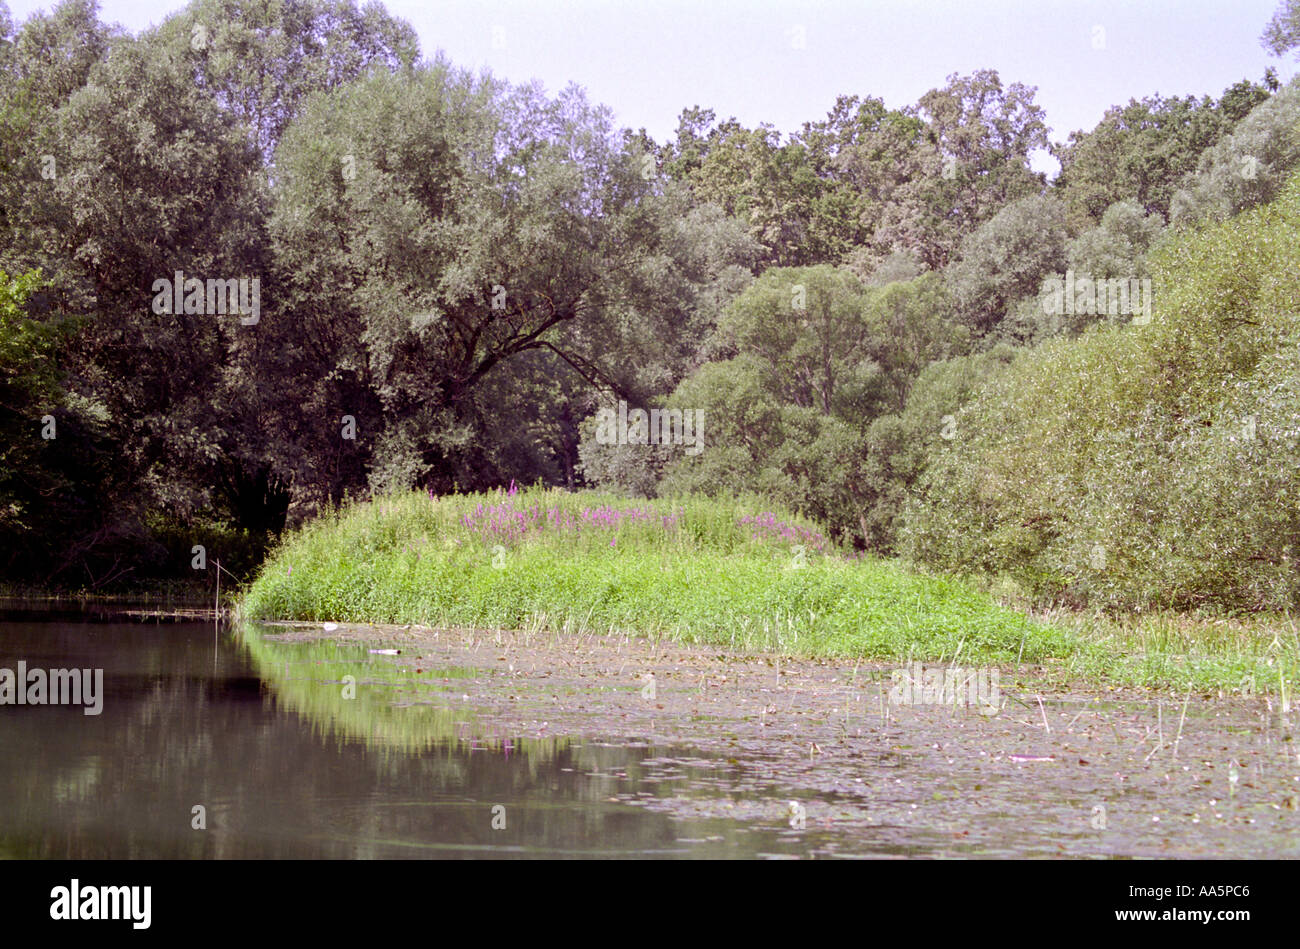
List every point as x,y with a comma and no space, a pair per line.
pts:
444,225
784,193
1121,489
984,134
1142,151
1247,167
29,390
1006,259
899,446
60,493
261,59
815,358
876,156
1117,247
1282,34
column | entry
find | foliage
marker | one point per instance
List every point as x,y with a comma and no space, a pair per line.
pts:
1161,471
1006,259
817,357
1282,34
262,59
1117,247
456,273
481,224
724,571
899,446
1247,168
29,389
1143,150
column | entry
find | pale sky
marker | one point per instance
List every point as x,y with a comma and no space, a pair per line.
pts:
784,62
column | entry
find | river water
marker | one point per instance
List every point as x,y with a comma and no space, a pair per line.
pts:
187,722
271,742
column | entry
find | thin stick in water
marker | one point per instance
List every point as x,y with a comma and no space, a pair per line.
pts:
1179,736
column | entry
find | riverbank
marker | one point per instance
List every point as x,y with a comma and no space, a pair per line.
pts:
728,573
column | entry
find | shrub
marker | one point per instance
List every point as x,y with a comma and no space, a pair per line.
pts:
1142,466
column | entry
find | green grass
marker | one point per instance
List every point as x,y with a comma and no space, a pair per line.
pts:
1257,655
706,579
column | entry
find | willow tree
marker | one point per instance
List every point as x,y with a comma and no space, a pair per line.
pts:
435,227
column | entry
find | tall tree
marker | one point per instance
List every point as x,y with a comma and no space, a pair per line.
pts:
261,59
446,225
984,134
1282,34
1143,150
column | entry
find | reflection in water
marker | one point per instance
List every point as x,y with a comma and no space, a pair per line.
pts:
260,735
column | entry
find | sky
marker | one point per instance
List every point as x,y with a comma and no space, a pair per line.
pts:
784,62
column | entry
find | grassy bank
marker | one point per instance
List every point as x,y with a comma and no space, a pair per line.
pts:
726,572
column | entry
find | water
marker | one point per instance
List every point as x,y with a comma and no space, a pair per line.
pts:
192,717
483,744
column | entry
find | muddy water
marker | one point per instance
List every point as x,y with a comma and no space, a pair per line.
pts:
811,758
297,742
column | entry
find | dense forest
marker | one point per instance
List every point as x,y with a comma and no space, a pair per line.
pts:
267,257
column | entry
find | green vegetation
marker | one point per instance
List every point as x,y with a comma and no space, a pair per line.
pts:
1143,467
433,244
856,309
719,572
688,569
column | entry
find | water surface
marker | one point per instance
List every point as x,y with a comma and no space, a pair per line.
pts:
187,721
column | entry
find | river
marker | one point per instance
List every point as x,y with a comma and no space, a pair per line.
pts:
276,742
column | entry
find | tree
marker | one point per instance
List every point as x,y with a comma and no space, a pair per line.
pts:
41,67
1282,34
898,447
125,213
444,226
1142,151
29,390
1246,168
1142,466
261,59
1006,259
911,324
785,194
875,155
815,358
1118,246
984,134
808,330
60,494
